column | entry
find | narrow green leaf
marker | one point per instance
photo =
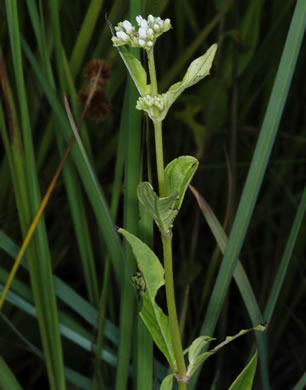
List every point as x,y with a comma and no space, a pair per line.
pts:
197,70
301,383
7,378
195,357
134,67
196,362
229,339
197,345
40,271
72,376
85,34
106,222
192,47
240,277
162,210
158,325
178,174
257,169
244,380
153,275
136,71
285,260
167,383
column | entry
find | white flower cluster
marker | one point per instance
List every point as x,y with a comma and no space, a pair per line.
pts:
153,105
149,30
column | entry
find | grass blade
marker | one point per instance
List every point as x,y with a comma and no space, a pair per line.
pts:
301,383
7,378
241,280
84,36
284,263
39,260
257,169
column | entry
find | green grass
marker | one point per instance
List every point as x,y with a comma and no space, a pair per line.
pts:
70,319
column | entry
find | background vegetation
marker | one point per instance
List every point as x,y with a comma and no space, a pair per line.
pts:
76,267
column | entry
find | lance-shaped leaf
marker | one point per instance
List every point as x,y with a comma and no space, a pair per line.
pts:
196,71
197,345
134,66
136,70
167,383
244,380
229,339
153,274
162,210
196,358
178,174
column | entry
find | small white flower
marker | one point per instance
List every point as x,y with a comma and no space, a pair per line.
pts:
167,24
142,33
122,35
149,30
127,26
150,33
144,24
139,19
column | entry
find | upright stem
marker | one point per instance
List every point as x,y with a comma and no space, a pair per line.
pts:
171,305
152,72
167,239
160,158
157,129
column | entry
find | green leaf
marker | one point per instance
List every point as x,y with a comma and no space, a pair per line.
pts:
178,174
196,71
8,379
257,169
195,357
134,66
158,325
196,362
136,70
244,380
167,383
153,274
301,384
197,345
240,277
229,339
162,210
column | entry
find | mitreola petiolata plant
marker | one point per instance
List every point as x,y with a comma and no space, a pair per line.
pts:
173,181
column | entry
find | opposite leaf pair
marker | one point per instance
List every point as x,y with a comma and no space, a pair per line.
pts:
178,175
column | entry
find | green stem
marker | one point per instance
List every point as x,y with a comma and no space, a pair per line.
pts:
152,72
167,239
173,319
160,158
